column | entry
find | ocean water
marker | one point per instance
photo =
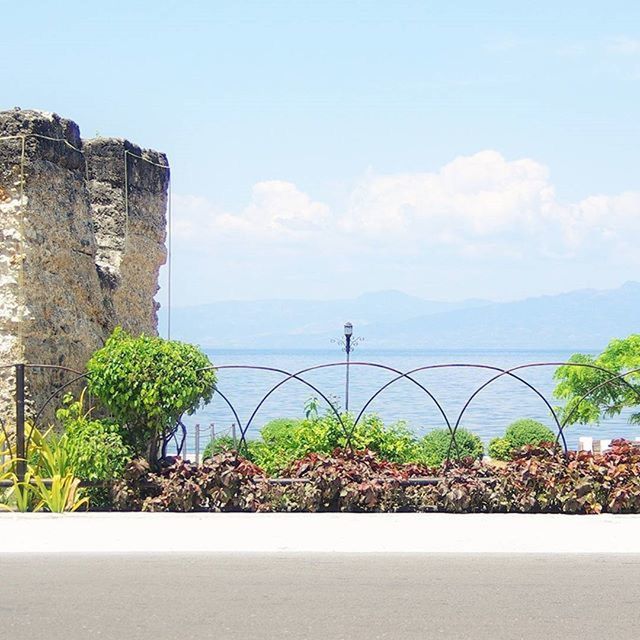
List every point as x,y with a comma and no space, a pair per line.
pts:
488,414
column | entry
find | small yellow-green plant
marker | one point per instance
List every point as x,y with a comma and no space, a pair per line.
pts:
49,482
62,493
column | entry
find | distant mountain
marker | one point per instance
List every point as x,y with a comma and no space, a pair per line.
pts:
585,319
274,323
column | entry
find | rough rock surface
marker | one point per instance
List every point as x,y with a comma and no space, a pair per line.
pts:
78,257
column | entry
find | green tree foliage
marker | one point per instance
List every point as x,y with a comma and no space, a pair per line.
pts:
148,383
436,445
610,395
520,433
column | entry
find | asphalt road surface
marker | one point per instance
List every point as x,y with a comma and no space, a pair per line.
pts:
323,596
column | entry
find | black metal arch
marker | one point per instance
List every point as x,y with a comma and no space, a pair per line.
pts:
509,372
560,426
400,375
290,376
56,393
503,372
78,376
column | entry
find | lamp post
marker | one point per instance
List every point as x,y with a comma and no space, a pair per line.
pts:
347,343
348,332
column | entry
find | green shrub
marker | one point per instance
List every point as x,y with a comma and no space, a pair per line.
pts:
527,431
395,442
95,447
519,434
218,445
437,445
500,449
147,384
284,441
279,431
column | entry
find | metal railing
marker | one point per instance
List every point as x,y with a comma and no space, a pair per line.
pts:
239,429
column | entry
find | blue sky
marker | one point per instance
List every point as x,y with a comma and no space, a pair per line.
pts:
324,149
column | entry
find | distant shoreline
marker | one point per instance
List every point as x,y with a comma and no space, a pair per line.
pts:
391,351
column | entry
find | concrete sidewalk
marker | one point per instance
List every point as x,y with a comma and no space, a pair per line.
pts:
317,533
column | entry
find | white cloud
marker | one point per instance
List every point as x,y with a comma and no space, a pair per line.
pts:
476,196
278,211
473,206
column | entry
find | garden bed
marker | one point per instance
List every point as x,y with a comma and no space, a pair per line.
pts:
536,480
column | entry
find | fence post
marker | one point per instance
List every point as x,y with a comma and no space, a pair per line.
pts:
21,465
213,431
233,433
197,444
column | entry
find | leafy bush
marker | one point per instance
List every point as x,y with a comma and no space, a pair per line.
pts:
519,434
499,449
219,445
95,448
619,468
527,431
394,443
536,480
438,445
224,482
285,440
469,486
349,481
546,480
147,384
543,480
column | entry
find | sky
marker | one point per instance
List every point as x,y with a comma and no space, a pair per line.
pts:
326,149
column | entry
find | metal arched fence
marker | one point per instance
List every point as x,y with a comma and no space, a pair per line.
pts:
177,434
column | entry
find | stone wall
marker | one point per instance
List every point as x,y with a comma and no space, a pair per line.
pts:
78,256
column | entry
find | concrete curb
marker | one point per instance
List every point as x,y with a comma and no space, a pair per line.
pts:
317,533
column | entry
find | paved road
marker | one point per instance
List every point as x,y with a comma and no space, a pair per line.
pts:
328,597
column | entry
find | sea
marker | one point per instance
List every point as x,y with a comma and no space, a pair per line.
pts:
488,413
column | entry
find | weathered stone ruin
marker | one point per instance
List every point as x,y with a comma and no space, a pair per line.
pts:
83,226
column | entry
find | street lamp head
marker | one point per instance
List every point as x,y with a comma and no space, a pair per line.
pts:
348,329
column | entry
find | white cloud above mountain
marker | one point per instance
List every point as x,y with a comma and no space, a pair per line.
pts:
474,205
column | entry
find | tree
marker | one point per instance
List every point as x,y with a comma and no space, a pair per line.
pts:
603,386
148,383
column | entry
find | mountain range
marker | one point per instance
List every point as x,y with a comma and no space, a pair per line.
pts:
583,319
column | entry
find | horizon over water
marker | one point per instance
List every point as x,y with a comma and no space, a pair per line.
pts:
489,414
